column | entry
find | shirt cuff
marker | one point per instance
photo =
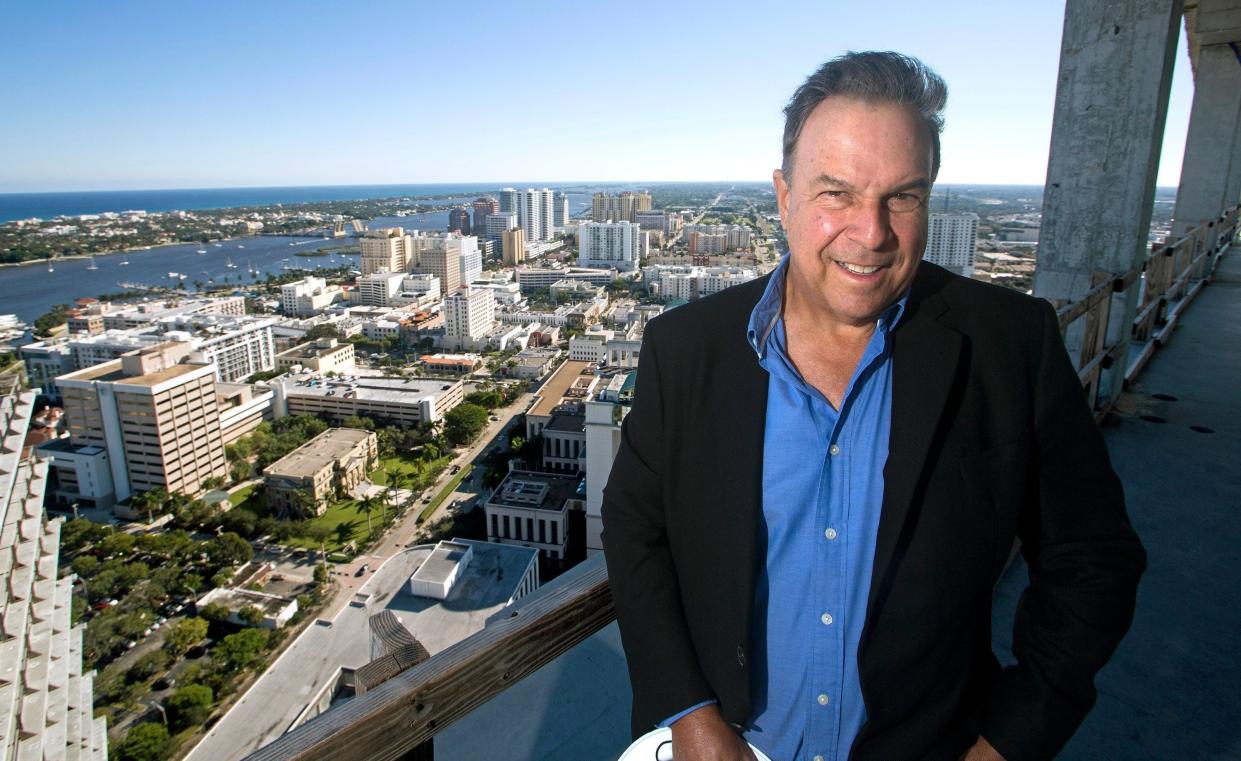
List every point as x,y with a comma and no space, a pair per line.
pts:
668,722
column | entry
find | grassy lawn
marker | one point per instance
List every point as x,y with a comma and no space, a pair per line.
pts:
350,513
347,512
241,495
417,473
449,488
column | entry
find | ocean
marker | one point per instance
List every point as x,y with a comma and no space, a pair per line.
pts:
49,205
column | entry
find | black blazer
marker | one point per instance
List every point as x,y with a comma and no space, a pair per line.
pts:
991,440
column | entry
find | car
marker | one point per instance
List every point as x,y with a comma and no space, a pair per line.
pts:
495,418
455,470
362,569
426,499
130,645
163,683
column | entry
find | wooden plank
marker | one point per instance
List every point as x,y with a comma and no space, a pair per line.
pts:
412,707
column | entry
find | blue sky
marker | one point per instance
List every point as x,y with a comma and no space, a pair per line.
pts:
221,94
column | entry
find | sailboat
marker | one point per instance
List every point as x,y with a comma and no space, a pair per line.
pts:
230,264
92,265
201,251
49,265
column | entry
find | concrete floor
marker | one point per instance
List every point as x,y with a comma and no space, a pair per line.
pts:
1173,689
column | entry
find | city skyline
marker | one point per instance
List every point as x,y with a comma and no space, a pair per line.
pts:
147,96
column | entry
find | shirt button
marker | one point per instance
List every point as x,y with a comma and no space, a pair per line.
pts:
823,700
834,450
830,533
826,618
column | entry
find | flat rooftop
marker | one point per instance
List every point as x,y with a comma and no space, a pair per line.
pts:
568,384
312,350
443,560
538,491
318,453
110,372
391,390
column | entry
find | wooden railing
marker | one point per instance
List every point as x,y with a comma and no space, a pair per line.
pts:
1168,279
406,711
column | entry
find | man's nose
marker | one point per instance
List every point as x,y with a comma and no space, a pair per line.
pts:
870,226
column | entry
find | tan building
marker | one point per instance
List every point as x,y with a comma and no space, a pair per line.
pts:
513,246
444,263
156,414
386,249
326,467
321,355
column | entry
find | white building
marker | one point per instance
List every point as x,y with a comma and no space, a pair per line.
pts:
437,574
604,415
531,510
950,241
611,244
422,289
591,346
535,211
542,278
671,281
469,315
380,288
46,697
308,296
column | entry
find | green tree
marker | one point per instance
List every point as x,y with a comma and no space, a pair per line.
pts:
324,330
215,613
464,422
184,634
318,533
148,666
145,742
55,317
322,576
251,615
229,549
237,651
189,706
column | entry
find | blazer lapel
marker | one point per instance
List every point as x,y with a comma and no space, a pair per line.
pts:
925,362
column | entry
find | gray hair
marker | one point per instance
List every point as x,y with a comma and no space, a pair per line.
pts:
872,76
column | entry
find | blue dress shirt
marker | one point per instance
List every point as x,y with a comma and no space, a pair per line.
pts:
822,496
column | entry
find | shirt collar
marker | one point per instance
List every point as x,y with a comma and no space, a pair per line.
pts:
767,312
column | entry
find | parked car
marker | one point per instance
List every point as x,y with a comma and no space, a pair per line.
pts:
362,569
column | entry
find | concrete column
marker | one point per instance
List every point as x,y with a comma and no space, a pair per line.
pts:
1211,171
1111,104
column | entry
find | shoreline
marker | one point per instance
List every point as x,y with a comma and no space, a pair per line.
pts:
137,249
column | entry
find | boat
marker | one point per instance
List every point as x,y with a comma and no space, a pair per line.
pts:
230,264
239,245
180,276
173,274
125,263
201,251
92,265
49,266
218,245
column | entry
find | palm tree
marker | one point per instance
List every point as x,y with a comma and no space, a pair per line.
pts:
368,504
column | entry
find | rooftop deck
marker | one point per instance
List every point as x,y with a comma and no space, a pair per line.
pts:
1170,690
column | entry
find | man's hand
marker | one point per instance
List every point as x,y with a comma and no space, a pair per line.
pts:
982,751
703,735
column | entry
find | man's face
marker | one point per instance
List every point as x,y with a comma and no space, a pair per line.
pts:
855,208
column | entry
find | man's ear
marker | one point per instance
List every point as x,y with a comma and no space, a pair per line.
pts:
781,185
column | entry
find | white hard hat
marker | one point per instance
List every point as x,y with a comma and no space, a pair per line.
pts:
657,746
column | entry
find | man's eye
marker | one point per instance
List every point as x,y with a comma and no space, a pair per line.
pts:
834,197
904,201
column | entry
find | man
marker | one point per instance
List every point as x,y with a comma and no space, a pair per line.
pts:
825,470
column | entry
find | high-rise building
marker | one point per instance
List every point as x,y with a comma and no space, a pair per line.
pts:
623,207
535,211
459,221
155,414
46,698
499,222
730,238
483,208
469,314
387,248
513,247
561,213
471,258
611,244
307,296
950,240
442,262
